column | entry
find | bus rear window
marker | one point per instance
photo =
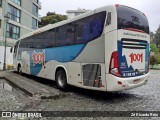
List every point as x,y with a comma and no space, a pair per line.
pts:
131,18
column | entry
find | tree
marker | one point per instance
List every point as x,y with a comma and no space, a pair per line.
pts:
51,18
154,59
156,39
154,48
51,13
152,37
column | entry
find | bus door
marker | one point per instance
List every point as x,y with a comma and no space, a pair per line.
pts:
15,51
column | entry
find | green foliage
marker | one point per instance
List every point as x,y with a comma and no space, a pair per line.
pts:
155,59
154,48
156,37
51,13
152,60
51,18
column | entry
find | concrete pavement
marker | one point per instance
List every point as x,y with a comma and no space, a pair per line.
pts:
31,87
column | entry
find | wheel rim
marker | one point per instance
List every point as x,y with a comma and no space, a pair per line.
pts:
61,80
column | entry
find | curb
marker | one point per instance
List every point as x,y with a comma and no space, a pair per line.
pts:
17,86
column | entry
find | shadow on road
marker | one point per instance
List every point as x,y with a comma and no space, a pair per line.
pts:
91,94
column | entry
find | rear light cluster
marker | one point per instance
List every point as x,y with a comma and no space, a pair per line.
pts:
114,67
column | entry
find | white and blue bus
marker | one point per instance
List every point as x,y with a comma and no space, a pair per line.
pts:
106,49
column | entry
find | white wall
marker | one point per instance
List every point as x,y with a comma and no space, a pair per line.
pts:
70,15
9,57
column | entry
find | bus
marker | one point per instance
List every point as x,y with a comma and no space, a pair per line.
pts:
106,49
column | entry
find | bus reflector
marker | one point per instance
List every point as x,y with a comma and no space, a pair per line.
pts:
120,83
114,68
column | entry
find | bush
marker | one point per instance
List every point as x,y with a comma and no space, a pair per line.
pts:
155,59
152,60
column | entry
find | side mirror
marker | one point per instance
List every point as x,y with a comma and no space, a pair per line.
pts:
11,50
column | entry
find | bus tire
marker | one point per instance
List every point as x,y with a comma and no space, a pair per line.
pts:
19,71
61,80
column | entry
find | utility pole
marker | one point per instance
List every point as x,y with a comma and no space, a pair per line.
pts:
6,18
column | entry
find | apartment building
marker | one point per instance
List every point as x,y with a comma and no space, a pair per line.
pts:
73,13
23,18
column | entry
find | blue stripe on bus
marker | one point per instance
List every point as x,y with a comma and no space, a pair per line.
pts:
146,57
60,54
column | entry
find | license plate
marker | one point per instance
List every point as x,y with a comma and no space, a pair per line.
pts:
136,81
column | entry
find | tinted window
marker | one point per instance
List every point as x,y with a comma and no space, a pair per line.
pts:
49,39
89,28
78,32
108,22
131,18
70,33
61,35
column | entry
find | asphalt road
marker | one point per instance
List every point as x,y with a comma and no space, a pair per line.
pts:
144,98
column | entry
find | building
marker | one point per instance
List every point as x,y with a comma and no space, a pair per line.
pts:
73,13
23,18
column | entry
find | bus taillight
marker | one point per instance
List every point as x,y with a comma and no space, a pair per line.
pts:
114,64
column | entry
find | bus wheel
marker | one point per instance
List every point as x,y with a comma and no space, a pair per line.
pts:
19,71
61,80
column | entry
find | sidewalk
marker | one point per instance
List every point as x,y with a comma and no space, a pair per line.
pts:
30,87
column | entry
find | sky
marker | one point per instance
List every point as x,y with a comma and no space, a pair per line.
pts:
151,8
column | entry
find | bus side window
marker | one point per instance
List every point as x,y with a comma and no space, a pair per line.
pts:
70,34
96,26
50,39
61,35
83,30
108,22
78,32
86,31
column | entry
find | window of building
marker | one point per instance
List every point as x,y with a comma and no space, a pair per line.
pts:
18,2
12,31
35,10
34,24
14,13
0,3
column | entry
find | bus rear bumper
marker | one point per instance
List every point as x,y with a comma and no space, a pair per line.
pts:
118,84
